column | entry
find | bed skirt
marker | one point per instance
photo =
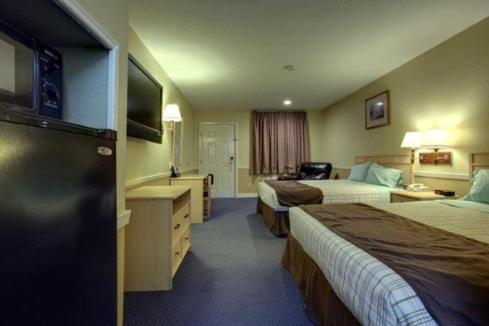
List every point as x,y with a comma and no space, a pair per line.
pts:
321,303
276,222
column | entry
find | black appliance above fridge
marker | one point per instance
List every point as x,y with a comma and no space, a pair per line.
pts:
57,222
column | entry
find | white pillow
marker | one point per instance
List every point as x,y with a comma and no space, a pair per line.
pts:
479,192
359,172
379,175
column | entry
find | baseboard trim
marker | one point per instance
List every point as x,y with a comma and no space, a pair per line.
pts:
441,175
247,195
123,219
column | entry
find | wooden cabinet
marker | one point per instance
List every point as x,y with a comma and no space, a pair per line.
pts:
200,194
158,237
401,196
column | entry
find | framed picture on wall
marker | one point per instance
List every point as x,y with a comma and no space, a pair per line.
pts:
377,110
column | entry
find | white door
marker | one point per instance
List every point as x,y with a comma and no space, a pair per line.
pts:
217,156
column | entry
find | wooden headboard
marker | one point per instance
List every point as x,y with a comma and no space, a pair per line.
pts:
400,162
478,161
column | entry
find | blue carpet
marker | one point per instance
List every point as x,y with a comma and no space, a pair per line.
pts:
232,276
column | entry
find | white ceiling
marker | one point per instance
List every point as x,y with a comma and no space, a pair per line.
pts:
229,54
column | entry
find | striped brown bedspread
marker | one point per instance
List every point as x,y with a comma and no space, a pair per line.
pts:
449,272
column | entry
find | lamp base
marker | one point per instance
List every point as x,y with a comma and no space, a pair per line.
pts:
413,155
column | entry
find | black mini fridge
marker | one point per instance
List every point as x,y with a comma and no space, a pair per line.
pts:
57,222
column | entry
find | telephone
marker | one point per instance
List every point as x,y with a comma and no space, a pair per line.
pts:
174,172
418,187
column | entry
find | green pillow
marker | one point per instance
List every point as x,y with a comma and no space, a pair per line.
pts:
359,172
479,191
379,175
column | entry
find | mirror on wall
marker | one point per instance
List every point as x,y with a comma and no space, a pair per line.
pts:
177,142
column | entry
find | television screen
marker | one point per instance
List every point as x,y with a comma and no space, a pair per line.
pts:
144,101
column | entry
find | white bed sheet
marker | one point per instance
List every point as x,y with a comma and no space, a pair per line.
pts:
374,293
334,191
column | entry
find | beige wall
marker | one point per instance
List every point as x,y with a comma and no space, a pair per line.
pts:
242,118
446,87
116,25
144,158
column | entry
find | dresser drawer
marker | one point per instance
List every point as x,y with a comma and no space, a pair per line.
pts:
176,256
180,221
186,216
186,241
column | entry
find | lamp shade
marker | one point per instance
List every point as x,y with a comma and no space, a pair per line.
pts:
172,113
435,139
412,139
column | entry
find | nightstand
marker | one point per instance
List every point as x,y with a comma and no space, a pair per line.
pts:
401,196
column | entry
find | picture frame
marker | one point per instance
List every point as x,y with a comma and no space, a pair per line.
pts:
377,110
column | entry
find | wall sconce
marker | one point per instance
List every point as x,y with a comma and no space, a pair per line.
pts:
172,114
435,139
411,140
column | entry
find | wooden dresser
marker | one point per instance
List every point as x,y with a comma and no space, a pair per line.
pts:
201,194
158,237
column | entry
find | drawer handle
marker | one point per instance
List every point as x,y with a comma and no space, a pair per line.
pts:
177,253
186,215
186,238
177,227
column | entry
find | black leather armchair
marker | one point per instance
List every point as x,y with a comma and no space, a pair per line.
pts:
311,171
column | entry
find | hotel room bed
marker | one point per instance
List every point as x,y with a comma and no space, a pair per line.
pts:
343,284
275,214
334,192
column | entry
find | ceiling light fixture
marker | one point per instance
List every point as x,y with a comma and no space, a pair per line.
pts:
289,67
287,102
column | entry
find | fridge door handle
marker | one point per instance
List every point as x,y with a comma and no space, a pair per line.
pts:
105,151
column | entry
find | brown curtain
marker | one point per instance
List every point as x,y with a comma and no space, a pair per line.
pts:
280,142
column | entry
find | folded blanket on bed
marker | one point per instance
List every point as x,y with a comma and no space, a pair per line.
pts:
448,272
293,193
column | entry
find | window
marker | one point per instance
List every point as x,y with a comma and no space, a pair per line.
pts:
280,142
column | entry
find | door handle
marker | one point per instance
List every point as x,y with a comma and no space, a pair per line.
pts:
231,158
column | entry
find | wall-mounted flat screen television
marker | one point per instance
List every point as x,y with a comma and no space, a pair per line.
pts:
144,104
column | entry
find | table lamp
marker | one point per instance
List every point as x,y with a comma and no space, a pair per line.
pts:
411,140
435,139
172,114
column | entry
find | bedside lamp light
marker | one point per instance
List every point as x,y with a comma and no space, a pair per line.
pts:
436,139
172,113
411,140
